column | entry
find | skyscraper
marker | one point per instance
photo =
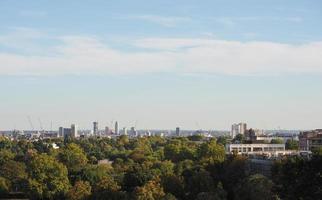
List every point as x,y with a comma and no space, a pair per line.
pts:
124,131
236,129
61,132
116,128
107,130
73,131
177,131
95,128
133,131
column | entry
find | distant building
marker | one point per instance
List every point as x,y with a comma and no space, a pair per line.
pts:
61,132
178,131
256,148
124,132
107,130
116,128
133,132
310,140
73,131
95,129
236,129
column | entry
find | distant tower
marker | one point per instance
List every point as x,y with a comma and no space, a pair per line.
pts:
177,131
95,128
116,128
133,131
236,129
61,132
107,130
73,131
242,128
124,131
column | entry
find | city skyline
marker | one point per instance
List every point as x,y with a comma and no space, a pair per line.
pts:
163,64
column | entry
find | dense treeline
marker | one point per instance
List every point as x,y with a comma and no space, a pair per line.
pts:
145,169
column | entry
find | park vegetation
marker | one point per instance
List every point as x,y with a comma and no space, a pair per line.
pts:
147,168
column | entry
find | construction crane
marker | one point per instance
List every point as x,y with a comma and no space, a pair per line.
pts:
136,123
30,122
40,124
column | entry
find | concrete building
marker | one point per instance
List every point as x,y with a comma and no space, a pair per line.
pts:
68,132
73,131
133,132
236,129
107,130
61,132
310,140
95,129
256,149
178,131
116,128
124,132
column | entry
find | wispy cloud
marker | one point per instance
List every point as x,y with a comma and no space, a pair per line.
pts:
161,20
232,21
89,55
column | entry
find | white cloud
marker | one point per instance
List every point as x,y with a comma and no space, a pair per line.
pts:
89,55
232,21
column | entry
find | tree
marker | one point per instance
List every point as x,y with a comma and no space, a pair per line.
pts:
277,141
222,140
80,191
108,187
197,181
234,172
73,157
4,187
136,177
211,152
171,152
48,178
15,172
255,187
239,138
152,190
174,185
298,178
95,173
6,155
292,145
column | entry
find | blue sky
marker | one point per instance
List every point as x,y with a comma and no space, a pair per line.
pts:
162,63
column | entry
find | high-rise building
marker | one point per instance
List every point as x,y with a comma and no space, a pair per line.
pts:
95,128
124,132
116,128
242,127
178,131
61,132
133,131
107,130
73,131
236,129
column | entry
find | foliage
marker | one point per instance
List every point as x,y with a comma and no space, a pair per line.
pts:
80,191
152,190
292,145
255,187
48,178
277,141
149,168
73,157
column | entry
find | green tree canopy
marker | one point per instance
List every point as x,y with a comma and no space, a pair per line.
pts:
48,179
73,157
